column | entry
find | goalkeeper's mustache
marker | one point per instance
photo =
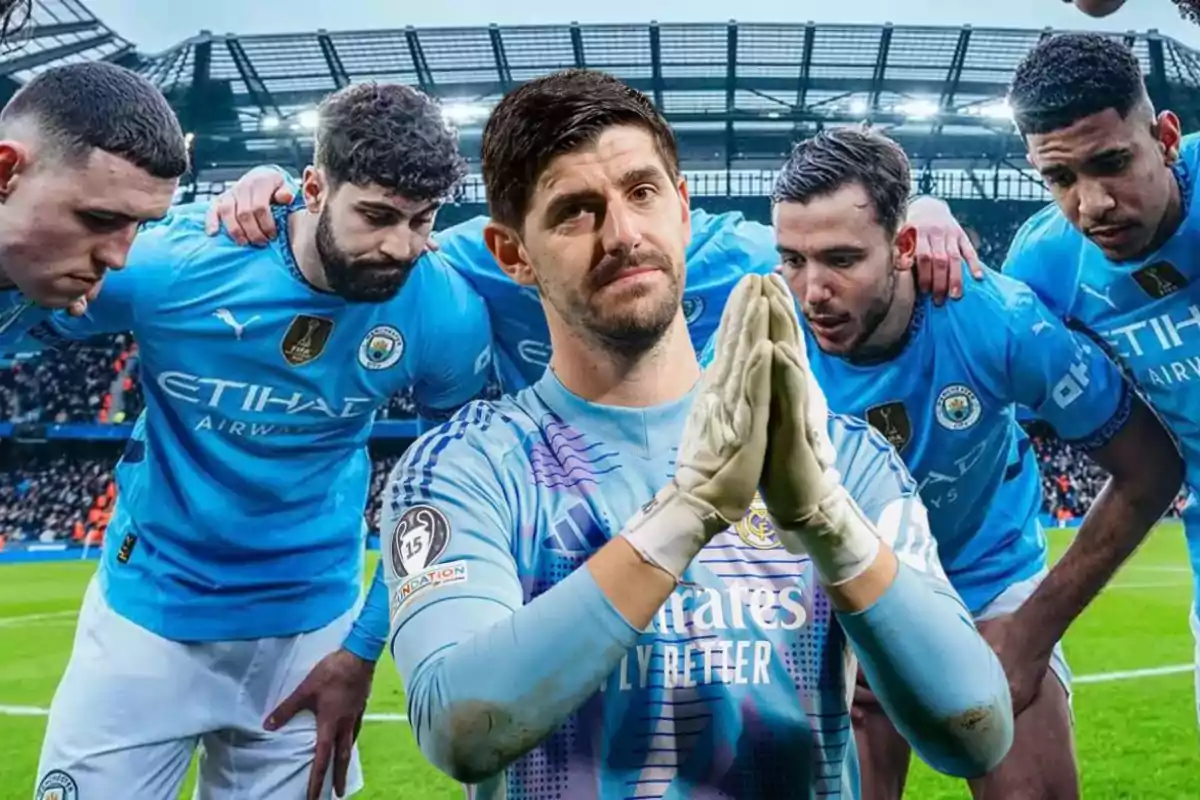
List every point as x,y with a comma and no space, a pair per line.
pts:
609,268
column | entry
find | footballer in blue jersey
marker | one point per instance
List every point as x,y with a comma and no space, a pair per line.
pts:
229,591
76,183
942,383
623,582
1119,250
723,248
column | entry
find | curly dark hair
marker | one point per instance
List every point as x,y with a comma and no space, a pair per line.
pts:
841,157
97,105
1189,10
553,115
390,135
1071,76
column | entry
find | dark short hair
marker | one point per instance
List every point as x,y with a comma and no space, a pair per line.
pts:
556,114
840,157
390,135
1071,76
96,105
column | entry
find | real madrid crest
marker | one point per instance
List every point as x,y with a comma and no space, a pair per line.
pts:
756,528
957,407
381,348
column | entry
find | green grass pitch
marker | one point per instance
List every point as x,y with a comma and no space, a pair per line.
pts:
1136,734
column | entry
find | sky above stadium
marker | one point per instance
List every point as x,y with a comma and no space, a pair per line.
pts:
156,26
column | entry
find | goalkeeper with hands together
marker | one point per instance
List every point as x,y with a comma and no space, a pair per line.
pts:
634,580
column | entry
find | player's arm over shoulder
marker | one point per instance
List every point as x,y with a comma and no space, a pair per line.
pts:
1044,255
1030,356
456,341
876,477
129,296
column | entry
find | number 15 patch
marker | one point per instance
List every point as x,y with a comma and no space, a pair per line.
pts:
420,539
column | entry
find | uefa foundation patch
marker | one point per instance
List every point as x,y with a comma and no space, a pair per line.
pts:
441,575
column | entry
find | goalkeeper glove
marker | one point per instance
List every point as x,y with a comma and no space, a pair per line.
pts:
724,441
801,488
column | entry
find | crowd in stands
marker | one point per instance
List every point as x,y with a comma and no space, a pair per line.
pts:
1070,481
55,497
59,386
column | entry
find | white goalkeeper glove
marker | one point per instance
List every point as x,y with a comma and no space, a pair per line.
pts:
801,488
724,441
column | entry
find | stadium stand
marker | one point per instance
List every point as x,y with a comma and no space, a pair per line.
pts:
737,94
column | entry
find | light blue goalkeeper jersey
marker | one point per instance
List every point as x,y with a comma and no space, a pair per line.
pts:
946,400
739,687
242,491
1146,312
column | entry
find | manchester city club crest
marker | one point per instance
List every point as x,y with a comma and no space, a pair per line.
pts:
57,785
381,348
693,307
756,528
957,407
421,538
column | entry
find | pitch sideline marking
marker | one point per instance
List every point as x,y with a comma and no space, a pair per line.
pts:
1099,677
6,622
35,711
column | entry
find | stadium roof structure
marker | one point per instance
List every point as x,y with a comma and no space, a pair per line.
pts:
737,94
59,32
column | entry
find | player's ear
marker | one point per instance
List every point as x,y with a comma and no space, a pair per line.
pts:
1169,135
313,186
505,246
905,247
13,159
685,197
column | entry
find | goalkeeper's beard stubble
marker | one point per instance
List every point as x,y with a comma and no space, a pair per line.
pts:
628,320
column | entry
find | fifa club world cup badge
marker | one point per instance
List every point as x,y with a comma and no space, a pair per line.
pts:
421,538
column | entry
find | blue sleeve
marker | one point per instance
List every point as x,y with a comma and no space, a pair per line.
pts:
128,295
1044,256
1035,360
369,633
457,346
487,676
938,680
